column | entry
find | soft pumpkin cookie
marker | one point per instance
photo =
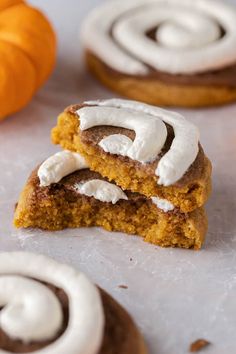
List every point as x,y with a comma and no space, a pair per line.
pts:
176,52
61,311
63,193
27,53
142,148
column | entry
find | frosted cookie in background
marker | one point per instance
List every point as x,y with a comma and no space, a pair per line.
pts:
173,53
49,307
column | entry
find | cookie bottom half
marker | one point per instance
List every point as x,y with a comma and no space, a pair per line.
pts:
55,208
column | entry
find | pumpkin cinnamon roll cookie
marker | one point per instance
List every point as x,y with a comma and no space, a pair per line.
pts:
48,307
142,148
63,193
175,52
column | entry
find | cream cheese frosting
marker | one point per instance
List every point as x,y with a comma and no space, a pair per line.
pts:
58,166
116,144
26,322
31,311
188,31
150,131
63,163
163,204
97,188
101,190
148,122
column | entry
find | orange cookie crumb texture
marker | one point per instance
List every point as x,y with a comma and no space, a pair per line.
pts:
146,51
27,54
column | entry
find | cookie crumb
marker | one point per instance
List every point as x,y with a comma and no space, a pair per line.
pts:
198,345
123,286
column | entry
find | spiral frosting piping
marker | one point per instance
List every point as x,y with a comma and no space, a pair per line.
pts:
188,31
24,271
150,136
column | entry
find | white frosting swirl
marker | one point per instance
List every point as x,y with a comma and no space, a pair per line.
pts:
101,190
147,122
58,166
63,163
188,31
116,144
150,132
21,318
33,312
163,204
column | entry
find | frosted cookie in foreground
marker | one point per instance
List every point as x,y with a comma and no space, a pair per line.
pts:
50,308
142,148
176,52
63,193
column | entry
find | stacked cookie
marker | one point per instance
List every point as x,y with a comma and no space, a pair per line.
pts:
128,167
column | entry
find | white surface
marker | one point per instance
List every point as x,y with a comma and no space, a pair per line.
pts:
176,296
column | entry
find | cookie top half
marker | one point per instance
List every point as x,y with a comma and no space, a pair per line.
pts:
142,148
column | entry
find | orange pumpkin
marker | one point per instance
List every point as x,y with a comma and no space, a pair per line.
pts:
27,53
